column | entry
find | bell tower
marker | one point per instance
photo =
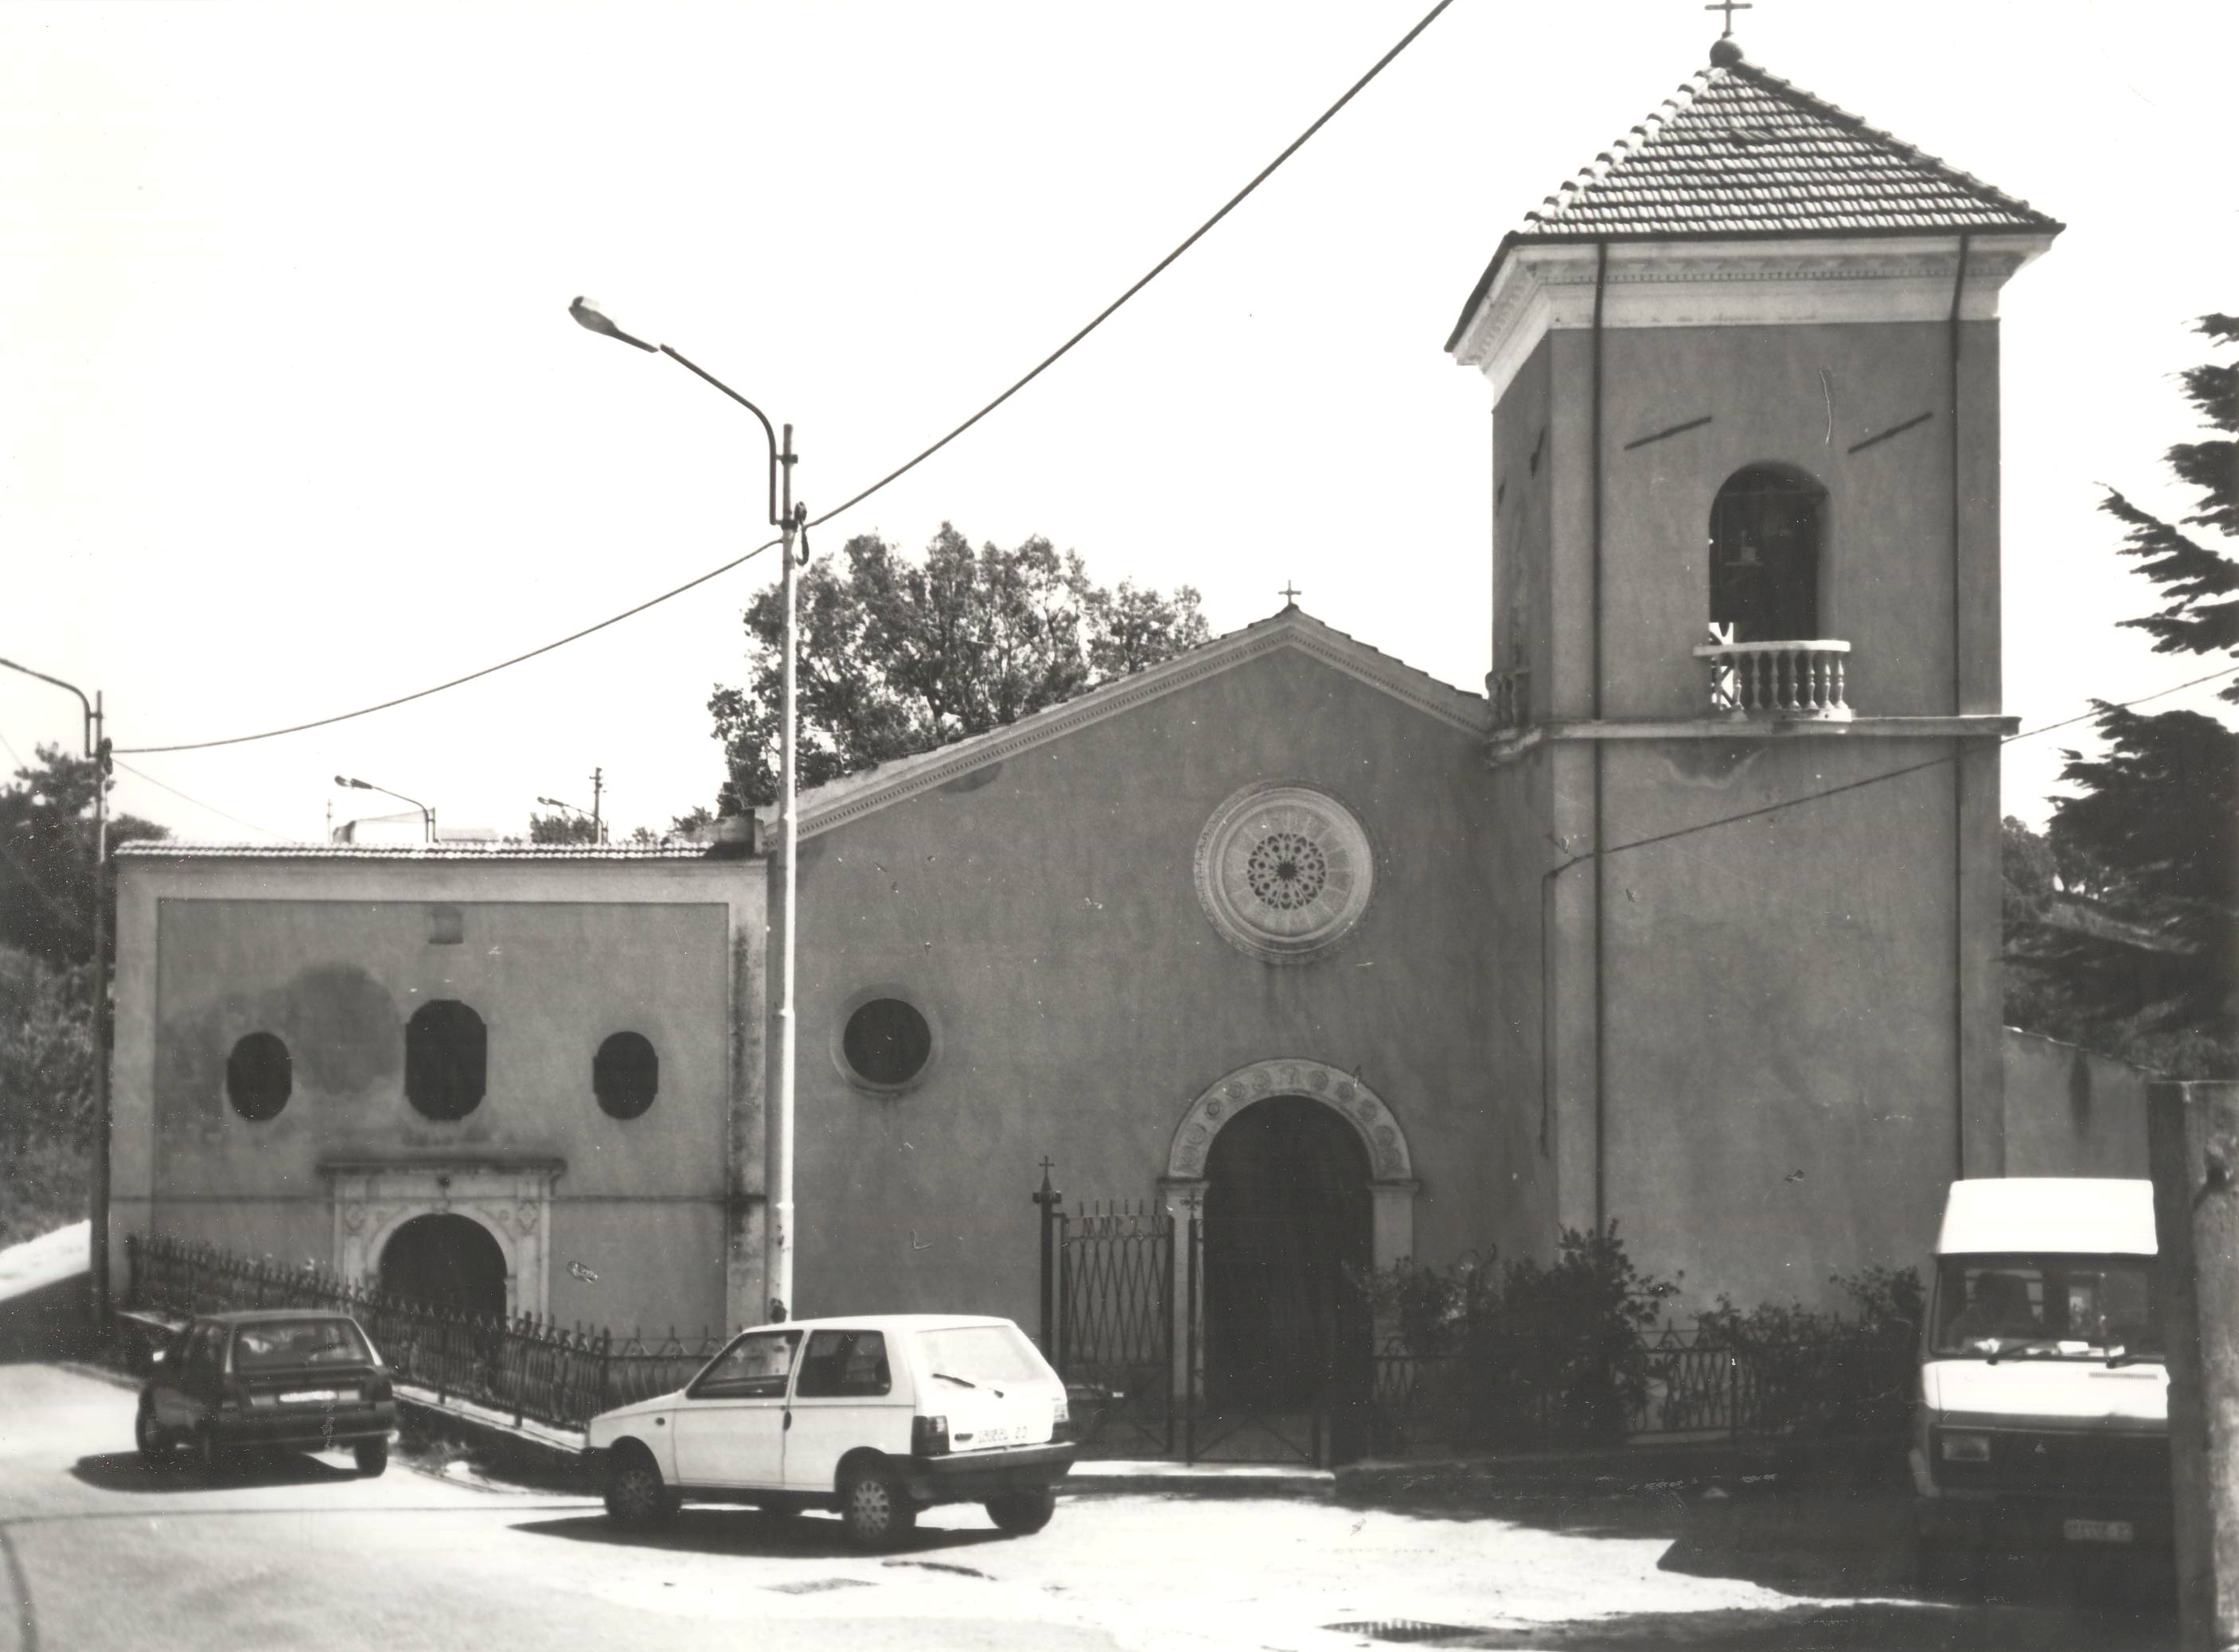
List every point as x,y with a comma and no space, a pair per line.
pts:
1745,683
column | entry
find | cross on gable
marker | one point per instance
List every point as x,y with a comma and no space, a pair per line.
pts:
1291,594
1729,7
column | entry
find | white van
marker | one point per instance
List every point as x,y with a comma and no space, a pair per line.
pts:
2043,1412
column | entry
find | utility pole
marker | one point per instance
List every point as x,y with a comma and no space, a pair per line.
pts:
789,522
598,785
2192,1134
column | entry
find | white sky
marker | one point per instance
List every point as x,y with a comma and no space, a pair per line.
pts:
292,417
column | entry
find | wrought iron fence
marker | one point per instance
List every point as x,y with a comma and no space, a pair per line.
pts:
1701,1381
532,1368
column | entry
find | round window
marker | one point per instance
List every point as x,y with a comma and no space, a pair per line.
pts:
1284,872
626,1075
259,1076
886,1043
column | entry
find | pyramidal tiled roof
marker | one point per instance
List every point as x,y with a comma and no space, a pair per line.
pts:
1739,152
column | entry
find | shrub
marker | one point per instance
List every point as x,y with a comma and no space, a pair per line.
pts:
1550,1353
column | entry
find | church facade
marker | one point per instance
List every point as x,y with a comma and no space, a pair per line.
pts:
1690,921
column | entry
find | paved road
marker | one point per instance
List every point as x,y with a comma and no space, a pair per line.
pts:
97,1551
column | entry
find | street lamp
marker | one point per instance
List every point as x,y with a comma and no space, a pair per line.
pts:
97,751
598,832
788,519
427,814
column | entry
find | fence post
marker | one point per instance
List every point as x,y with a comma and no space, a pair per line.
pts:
1047,1197
1164,1266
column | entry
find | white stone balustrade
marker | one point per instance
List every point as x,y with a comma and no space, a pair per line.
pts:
1776,679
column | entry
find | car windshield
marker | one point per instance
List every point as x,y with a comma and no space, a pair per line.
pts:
2046,1307
984,1354
279,1342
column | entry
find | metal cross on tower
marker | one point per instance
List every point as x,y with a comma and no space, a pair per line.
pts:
1729,7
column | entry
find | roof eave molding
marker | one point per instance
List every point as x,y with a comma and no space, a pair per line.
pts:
839,801
1775,282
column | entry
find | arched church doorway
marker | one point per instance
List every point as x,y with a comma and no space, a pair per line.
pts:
448,1259
1286,1215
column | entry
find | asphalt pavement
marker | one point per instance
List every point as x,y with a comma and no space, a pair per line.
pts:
98,1551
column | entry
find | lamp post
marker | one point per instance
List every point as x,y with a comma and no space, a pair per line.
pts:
788,519
427,814
598,832
97,751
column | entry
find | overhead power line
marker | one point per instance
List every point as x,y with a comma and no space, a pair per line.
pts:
2098,709
212,808
896,475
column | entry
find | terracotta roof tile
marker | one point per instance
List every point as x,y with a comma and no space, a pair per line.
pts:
1739,152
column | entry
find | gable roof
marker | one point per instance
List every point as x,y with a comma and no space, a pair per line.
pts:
1736,153
839,801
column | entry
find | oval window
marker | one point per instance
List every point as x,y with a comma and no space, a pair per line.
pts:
886,1043
446,1060
260,1076
626,1075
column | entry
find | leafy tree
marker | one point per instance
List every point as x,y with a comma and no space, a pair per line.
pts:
46,1094
562,828
46,857
897,656
2142,951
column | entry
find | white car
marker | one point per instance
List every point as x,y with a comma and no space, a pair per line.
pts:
878,1416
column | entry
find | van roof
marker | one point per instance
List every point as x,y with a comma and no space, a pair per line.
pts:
2047,1214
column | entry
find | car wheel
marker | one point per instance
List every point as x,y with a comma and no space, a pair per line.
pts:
636,1499
147,1433
1022,1513
874,1508
372,1458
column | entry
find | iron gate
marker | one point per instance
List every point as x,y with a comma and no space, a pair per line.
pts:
1123,1320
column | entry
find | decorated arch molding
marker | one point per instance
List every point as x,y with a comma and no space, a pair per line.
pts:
1389,1157
512,1203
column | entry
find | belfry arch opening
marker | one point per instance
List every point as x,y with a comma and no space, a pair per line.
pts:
1768,525
448,1259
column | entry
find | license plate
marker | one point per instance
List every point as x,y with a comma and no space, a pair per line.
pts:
999,1436
2097,1531
310,1396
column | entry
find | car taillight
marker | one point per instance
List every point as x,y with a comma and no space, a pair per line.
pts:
929,1436
1061,1419
378,1389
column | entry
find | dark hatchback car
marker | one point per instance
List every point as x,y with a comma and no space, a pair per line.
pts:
305,1378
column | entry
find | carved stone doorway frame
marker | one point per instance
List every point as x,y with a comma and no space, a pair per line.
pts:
511,1201
1392,1183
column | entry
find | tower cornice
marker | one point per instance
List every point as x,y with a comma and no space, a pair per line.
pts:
1792,281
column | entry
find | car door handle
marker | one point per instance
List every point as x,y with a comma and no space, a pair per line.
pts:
660,1422
788,1421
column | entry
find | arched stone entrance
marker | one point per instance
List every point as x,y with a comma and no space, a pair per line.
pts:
1301,1172
445,1258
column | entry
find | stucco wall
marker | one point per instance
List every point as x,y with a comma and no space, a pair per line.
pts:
1886,567
333,956
2072,1112
1043,913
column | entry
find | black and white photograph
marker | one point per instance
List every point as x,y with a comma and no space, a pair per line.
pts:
853,824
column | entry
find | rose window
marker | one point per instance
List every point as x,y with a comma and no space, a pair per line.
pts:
1284,872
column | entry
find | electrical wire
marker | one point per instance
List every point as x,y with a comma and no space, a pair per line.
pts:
893,475
2098,709
210,807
